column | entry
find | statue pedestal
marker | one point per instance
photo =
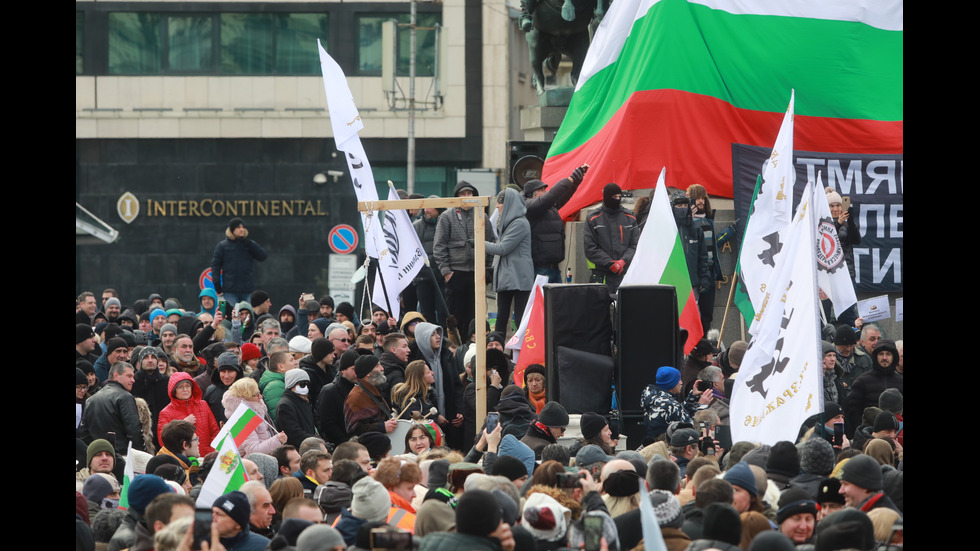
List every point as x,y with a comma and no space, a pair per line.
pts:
540,122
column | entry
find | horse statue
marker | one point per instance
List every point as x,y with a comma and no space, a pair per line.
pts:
557,27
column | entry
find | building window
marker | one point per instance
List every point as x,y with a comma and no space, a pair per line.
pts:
369,43
79,41
134,43
230,43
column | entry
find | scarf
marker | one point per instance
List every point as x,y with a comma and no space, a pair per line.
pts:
537,400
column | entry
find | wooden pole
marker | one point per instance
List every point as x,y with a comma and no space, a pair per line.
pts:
479,275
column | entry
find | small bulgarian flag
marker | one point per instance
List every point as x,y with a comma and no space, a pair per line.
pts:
128,475
659,260
227,474
239,425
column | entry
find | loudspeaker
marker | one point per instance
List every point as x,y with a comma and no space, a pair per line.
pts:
577,316
646,338
525,159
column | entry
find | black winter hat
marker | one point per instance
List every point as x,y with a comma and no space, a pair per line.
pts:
365,365
83,331
885,421
232,225
862,471
592,424
235,505
845,529
506,465
553,414
721,522
783,459
80,377
829,491
258,297
346,309
891,400
794,501
377,444
533,185
845,335
478,513
113,344
320,347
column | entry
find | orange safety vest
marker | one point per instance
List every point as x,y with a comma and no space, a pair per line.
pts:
401,519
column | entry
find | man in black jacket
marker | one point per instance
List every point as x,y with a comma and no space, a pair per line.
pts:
113,409
547,228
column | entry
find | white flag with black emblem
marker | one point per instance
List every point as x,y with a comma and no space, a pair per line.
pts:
400,259
346,123
779,383
832,274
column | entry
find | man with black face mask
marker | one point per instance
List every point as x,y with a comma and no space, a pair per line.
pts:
611,234
695,249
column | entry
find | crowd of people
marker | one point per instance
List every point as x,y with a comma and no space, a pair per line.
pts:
366,434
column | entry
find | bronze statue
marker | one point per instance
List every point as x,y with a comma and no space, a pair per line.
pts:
557,27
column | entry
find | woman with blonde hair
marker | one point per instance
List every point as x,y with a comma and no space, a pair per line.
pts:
263,439
418,378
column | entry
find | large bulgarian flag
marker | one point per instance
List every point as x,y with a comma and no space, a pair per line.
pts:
675,83
659,260
240,425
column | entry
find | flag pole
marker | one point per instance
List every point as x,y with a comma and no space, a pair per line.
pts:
728,304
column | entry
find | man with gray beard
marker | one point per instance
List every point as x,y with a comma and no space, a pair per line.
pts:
365,409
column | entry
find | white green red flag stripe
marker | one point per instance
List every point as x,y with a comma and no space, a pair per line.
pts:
240,425
675,83
659,260
128,475
227,474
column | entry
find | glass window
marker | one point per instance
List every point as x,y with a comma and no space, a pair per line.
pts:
246,43
134,43
369,43
189,41
296,43
79,41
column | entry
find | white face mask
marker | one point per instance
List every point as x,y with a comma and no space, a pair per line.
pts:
301,390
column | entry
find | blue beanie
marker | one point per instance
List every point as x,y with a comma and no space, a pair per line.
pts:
668,377
741,475
143,489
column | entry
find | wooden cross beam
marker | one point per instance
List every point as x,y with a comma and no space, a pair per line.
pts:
479,274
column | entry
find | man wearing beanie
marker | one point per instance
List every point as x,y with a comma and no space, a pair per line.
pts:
370,502
115,351
233,263
722,529
550,426
816,461
660,405
891,400
611,234
782,464
479,526
365,409
230,513
797,514
330,402
860,484
547,228
319,366
86,343
140,493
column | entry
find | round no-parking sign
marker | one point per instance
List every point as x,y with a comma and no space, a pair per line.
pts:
343,239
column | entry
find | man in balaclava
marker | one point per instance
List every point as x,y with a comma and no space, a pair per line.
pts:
611,235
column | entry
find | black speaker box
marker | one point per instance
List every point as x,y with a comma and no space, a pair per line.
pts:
646,338
577,317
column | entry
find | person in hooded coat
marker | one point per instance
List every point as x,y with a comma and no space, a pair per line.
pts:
193,405
513,268
447,390
611,235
